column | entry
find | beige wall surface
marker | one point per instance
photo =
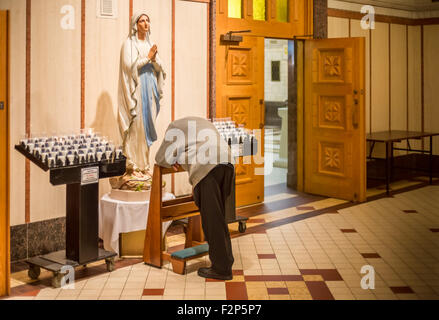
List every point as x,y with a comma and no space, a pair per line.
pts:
380,77
56,81
17,95
358,31
103,41
398,79
414,118
55,93
191,82
338,27
394,92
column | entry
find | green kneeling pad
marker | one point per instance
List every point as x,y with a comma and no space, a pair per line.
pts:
190,252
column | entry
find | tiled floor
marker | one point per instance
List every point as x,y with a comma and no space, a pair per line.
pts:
296,247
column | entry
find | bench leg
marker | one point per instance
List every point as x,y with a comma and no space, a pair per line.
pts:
388,163
189,230
431,160
178,266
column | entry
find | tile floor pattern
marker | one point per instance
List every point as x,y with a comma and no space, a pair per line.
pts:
317,257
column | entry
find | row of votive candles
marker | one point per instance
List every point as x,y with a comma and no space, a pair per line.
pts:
235,135
72,150
224,124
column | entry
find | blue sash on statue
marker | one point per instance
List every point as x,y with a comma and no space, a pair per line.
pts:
149,92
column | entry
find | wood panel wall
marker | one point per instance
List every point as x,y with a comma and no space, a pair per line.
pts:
431,81
402,72
191,17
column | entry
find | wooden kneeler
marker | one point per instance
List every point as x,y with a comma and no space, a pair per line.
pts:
162,211
179,258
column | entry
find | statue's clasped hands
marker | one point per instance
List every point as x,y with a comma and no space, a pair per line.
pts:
152,53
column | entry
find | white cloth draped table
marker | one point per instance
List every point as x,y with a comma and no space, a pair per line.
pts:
117,217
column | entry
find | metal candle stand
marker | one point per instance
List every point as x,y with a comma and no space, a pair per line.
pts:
82,221
242,144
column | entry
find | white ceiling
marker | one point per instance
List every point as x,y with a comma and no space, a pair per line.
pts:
410,5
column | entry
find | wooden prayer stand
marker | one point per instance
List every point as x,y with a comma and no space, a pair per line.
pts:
162,211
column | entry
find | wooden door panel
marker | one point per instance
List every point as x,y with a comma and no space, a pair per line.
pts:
332,65
240,110
240,66
335,155
331,111
240,91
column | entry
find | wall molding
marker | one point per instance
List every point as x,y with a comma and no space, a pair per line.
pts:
28,107
357,15
413,10
82,124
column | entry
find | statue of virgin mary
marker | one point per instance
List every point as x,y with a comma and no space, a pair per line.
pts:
141,80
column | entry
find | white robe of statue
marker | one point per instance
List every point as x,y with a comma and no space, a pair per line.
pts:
134,64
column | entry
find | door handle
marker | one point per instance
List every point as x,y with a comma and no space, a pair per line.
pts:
262,115
2,105
355,113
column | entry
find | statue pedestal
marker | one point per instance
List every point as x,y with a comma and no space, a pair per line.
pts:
130,196
282,162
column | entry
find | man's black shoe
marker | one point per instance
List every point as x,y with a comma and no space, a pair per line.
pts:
212,274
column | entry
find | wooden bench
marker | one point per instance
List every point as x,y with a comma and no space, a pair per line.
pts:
162,211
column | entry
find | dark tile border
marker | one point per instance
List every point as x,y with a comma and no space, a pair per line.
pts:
410,211
37,238
305,208
19,242
398,290
276,291
371,255
348,230
46,236
266,256
256,221
319,290
236,291
153,292
274,278
327,274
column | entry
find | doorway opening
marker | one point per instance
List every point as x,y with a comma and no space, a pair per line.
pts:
279,62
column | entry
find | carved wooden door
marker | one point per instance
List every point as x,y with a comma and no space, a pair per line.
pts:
240,96
335,136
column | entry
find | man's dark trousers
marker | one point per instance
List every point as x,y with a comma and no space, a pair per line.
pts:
210,195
